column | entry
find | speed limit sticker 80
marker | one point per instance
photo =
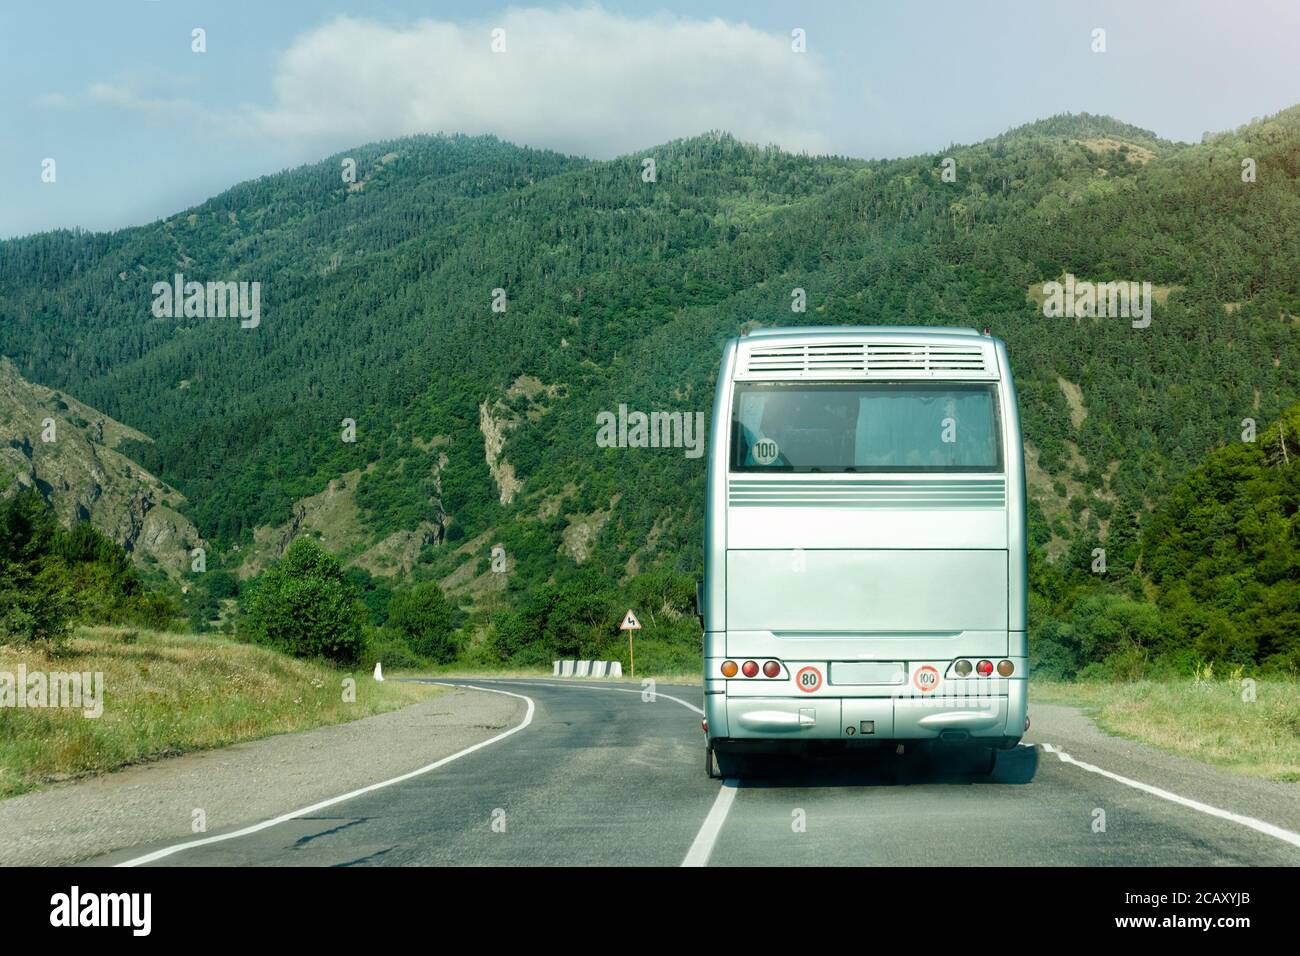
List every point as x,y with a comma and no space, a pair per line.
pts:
808,679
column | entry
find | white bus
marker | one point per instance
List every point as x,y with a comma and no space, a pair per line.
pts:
865,549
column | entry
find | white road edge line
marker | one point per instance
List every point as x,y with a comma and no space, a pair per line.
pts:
284,818
1286,836
698,854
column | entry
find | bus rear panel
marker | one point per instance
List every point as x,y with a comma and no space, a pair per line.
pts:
865,558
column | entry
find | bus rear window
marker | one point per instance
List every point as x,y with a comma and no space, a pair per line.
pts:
865,427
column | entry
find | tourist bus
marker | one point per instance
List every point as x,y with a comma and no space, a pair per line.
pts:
865,552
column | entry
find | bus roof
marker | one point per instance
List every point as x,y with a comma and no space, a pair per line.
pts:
863,330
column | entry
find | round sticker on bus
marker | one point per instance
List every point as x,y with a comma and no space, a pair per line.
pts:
926,679
765,451
808,679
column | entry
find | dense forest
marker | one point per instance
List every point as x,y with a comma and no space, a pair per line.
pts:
464,287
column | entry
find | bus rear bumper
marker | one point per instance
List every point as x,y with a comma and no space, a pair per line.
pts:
780,720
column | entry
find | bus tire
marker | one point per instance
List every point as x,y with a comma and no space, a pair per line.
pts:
708,763
987,761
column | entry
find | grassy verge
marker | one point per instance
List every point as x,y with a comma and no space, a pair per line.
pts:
165,694
1208,721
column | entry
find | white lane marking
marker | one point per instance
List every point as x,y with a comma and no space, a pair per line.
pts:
1286,836
284,818
698,854
625,690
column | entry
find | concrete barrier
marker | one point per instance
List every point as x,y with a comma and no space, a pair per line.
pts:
586,669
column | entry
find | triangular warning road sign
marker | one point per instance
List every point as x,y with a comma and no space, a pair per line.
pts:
630,623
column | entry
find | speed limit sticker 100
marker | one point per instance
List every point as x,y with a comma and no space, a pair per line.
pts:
808,680
926,679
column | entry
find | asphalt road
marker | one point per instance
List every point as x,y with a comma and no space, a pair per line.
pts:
590,774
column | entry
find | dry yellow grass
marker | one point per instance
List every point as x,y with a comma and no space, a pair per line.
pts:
165,694
1208,720
1104,144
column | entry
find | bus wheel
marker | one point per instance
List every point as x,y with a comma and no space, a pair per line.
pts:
987,761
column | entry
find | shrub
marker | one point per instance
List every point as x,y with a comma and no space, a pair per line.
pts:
304,606
1053,651
222,585
661,657
37,602
663,592
390,649
154,611
424,618
38,613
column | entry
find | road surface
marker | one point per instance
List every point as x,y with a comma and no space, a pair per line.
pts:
591,774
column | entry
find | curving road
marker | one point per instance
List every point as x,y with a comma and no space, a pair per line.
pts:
591,774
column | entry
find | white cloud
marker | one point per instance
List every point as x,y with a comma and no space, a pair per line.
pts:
577,80
121,95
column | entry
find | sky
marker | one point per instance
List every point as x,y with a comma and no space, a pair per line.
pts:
140,125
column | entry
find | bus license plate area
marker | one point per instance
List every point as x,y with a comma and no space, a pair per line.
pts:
868,673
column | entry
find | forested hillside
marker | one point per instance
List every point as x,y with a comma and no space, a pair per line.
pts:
475,427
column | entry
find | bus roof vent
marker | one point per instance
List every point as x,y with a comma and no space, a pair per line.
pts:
870,359
827,357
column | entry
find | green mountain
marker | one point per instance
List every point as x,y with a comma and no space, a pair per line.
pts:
68,453
476,428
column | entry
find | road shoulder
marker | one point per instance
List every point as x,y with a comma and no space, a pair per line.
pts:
242,784
1076,733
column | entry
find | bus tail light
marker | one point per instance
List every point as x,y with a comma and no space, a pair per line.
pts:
771,669
963,668
729,668
749,669
1006,668
984,668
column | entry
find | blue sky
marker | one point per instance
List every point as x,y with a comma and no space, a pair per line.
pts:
140,126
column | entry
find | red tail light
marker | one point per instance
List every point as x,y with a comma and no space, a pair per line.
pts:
772,669
984,668
749,669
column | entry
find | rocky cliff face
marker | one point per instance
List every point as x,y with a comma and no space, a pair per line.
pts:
69,452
